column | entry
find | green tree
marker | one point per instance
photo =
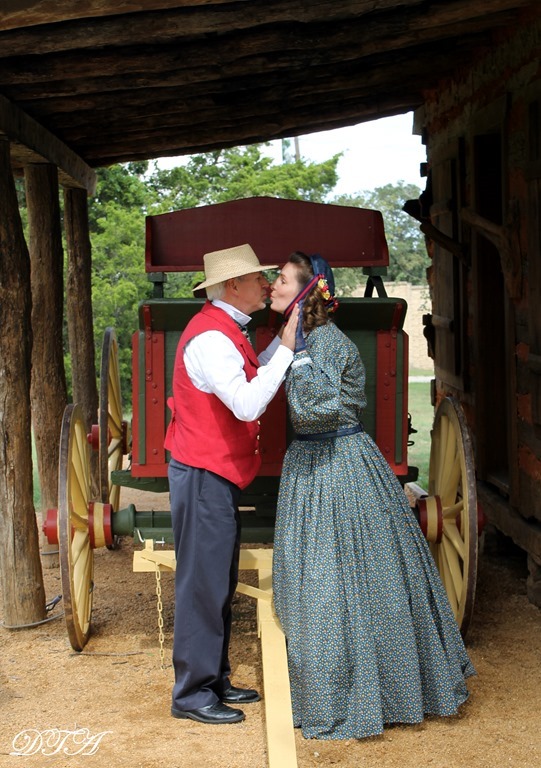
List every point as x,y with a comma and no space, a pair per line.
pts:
408,259
231,174
117,231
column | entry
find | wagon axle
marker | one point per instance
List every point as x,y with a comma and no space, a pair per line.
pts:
104,524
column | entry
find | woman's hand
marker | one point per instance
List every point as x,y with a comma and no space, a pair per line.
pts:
290,329
300,341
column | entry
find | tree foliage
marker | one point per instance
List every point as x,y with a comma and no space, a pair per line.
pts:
408,258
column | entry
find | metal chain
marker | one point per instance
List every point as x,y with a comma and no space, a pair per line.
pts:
159,606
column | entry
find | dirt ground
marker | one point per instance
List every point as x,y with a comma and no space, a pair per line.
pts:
118,691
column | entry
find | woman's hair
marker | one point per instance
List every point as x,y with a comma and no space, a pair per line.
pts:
314,311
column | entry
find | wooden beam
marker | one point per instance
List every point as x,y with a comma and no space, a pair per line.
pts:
171,143
174,25
33,12
244,52
170,118
224,88
179,23
23,130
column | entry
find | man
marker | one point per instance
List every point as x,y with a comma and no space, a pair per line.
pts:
219,391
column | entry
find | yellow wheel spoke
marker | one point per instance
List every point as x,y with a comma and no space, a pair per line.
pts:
78,545
451,556
83,587
448,581
80,459
450,486
451,513
115,411
451,532
115,450
114,497
78,522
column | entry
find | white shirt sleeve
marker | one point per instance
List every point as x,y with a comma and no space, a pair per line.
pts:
215,365
265,356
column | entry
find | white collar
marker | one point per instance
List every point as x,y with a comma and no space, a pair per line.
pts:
238,316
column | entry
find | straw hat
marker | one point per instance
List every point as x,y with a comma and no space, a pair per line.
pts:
230,262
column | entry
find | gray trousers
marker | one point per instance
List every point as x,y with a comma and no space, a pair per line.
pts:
206,527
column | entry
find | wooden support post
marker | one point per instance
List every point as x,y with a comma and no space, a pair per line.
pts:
21,580
48,391
79,313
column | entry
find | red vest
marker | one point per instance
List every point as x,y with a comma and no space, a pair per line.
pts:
203,432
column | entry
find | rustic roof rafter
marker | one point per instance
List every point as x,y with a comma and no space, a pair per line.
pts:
39,146
119,80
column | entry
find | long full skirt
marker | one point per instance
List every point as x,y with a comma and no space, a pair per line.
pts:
371,636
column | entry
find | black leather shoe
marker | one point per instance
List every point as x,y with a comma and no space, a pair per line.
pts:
240,695
214,714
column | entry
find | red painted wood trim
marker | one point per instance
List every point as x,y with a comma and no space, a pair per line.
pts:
386,394
345,236
149,470
135,397
154,397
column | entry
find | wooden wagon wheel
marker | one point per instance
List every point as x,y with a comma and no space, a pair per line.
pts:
112,439
74,536
449,515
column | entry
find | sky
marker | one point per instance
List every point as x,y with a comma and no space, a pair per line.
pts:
376,153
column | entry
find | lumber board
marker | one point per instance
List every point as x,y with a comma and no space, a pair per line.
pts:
23,129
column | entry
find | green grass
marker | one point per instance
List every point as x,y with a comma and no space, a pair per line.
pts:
421,372
422,416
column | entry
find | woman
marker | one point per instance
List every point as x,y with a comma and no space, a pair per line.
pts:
371,636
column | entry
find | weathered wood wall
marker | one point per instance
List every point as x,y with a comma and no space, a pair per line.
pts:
483,132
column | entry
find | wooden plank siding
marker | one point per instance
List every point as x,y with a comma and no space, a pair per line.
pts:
484,151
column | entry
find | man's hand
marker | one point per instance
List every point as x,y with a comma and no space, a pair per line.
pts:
290,329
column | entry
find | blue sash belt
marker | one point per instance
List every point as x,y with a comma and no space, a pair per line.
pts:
326,435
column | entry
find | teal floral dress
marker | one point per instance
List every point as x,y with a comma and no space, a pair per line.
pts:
370,633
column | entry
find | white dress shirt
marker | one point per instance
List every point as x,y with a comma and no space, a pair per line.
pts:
215,365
